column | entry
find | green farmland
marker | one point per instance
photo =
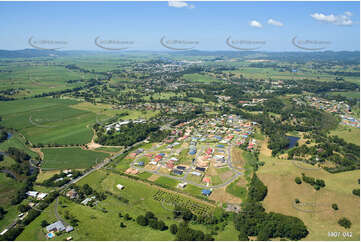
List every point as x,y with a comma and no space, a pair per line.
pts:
70,158
48,121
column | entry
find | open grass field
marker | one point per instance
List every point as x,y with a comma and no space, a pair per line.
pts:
70,158
268,72
236,190
39,78
48,120
349,134
94,224
167,181
105,111
200,78
347,94
278,175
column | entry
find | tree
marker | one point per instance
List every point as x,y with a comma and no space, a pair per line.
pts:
2,212
242,235
149,215
44,223
141,220
127,217
173,228
153,223
344,222
161,225
356,192
257,190
23,208
120,215
334,206
298,180
297,201
122,225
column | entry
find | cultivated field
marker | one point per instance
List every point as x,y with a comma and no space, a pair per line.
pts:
48,120
70,158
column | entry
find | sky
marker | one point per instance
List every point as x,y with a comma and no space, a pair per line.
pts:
266,26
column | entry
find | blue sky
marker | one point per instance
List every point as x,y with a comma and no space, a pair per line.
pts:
208,23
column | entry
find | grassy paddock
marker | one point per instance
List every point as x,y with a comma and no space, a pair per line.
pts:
279,176
70,158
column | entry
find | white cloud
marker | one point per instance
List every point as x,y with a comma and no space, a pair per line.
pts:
275,22
179,4
255,24
348,13
343,19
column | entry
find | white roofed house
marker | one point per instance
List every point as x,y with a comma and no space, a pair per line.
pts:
32,193
58,226
41,195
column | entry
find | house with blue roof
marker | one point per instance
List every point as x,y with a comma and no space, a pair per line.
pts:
206,192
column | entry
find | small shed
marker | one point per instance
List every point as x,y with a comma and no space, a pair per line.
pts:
120,187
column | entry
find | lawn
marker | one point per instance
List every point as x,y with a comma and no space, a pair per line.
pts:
167,181
237,190
70,158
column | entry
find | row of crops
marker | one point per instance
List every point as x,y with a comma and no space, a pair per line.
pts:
198,209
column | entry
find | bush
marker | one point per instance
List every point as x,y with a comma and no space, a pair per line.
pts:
298,180
44,223
161,225
173,228
297,201
356,192
23,208
141,220
149,215
334,206
344,222
257,190
127,217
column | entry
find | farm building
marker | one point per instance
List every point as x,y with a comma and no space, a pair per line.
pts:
69,228
182,185
58,226
41,195
32,193
85,201
120,187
